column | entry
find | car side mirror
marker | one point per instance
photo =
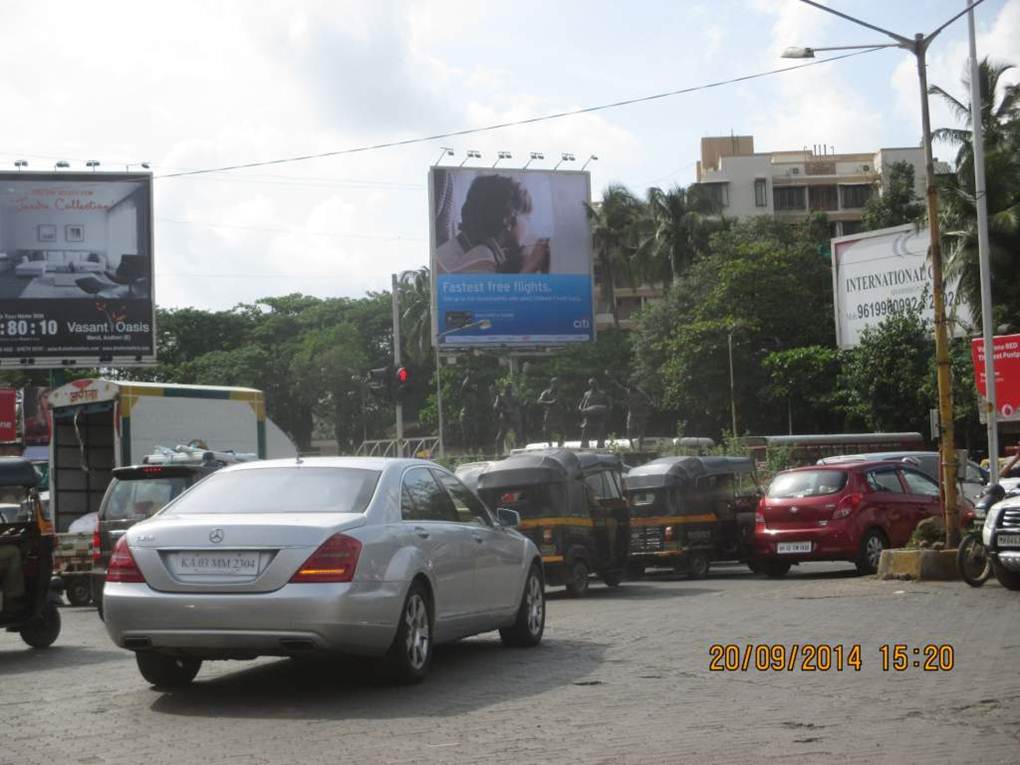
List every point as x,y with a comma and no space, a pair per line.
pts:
508,518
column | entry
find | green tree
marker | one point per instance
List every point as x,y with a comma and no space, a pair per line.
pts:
898,203
614,240
673,230
804,381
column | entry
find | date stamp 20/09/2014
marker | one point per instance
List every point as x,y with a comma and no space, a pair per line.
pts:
825,657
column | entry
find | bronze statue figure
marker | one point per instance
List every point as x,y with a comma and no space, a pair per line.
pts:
554,414
594,407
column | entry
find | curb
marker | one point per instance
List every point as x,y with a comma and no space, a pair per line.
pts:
921,565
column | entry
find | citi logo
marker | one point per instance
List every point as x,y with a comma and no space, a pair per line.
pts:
582,324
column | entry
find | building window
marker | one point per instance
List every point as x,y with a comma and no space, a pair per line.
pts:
718,193
855,195
761,198
852,227
822,198
788,197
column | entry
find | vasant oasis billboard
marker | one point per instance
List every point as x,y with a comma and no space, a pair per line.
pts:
879,273
76,269
511,257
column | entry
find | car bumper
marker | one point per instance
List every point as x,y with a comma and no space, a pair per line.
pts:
828,543
359,618
1010,559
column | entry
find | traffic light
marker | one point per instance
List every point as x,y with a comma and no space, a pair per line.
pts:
401,384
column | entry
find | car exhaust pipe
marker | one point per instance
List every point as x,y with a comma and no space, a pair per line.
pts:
294,644
136,643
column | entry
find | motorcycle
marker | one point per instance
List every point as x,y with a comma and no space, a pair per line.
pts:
972,559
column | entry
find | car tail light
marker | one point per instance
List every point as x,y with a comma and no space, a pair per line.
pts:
847,505
547,536
759,514
334,561
669,533
97,544
122,566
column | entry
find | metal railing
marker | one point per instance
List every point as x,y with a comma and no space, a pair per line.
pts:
426,448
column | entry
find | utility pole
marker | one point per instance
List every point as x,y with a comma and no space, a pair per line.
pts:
396,362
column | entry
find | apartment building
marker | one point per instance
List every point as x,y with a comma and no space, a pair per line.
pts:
790,185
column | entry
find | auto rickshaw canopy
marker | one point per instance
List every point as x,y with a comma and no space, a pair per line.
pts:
18,471
667,472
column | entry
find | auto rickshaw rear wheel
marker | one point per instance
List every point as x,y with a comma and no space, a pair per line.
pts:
635,571
698,564
612,578
43,631
577,579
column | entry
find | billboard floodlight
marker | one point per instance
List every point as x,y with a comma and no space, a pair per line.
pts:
93,163
592,158
62,165
502,155
471,154
20,163
564,157
534,155
445,151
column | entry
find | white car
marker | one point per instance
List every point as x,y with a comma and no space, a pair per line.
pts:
370,556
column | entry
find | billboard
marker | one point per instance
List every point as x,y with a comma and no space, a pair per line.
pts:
511,257
1006,360
76,269
879,273
36,411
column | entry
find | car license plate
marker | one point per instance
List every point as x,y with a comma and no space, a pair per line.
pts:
793,547
1008,540
219,563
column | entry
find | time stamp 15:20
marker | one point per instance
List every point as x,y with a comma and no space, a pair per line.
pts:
823,657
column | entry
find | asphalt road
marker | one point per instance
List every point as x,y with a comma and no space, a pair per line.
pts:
622,677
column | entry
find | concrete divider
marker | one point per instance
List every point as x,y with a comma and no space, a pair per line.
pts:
931,565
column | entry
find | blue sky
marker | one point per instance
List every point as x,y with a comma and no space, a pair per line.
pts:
203,84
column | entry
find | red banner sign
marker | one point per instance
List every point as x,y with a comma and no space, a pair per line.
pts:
8,415
1006,360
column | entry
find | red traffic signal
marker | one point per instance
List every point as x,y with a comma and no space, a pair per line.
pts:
402,376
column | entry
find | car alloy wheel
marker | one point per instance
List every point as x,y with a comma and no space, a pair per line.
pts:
416,617
873,550
534,603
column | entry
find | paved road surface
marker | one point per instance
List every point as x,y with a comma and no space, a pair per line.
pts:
622,677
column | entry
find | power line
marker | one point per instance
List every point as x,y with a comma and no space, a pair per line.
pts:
516,123
294,230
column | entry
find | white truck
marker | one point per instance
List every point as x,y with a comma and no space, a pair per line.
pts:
102,424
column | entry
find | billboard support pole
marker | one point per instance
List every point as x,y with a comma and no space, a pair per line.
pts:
978,143
396,363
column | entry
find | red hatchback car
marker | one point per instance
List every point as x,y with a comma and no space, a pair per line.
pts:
842,512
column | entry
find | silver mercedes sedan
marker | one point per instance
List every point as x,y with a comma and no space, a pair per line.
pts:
366,556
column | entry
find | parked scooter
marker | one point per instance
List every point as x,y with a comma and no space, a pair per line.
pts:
971,556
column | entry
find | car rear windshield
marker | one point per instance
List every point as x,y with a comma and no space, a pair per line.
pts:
807,483
534,501
281,490
135,500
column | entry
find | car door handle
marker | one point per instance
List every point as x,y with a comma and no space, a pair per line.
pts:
117,533
479,540
421,532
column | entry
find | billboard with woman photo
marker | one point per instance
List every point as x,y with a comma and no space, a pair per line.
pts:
511,257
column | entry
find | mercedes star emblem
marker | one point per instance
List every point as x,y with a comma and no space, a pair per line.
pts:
216,536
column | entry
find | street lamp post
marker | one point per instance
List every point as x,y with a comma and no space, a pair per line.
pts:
918,46
733,393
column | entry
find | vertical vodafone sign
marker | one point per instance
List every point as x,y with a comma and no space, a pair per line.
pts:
511,257
76,269
1006,359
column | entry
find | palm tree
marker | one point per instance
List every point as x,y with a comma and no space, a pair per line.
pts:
614,238
1001,123
416,314
670,230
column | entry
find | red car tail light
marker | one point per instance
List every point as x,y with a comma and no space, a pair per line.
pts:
97,544
334,561
847,505
122,566
759,514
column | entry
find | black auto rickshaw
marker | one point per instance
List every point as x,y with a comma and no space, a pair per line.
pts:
28,590
689,511
572,507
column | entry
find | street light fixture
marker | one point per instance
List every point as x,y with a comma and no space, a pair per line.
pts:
918,46
480,324
471,154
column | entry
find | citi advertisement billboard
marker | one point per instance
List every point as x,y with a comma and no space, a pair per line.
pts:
511,257
76,269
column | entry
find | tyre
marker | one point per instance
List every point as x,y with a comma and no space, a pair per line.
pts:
411,653
613,578
698,564
972,561
1008,579
165,671
775,569
635,571
755,566
872,544
43,631
577,579
79,591
529,625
